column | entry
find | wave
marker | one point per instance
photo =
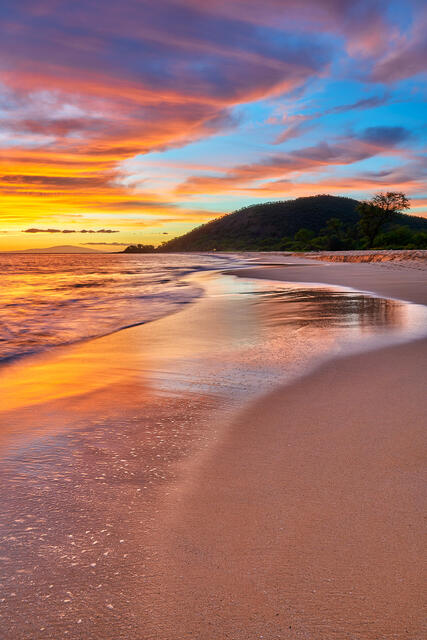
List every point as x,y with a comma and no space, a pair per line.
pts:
48,301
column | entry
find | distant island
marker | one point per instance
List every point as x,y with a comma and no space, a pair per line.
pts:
64,248
321,222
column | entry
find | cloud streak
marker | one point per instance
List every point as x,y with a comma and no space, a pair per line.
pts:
300,124
367,144
107,244
36,230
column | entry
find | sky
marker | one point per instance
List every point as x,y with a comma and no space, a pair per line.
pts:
135,121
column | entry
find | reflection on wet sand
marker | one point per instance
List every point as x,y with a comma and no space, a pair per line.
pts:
327,308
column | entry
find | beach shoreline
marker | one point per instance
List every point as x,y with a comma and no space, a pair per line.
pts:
384,279
189,541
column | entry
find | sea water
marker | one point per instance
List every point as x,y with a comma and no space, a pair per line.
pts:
48,300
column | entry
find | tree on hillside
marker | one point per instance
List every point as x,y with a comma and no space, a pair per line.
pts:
379,210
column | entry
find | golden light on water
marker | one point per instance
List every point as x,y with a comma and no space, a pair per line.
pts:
240,324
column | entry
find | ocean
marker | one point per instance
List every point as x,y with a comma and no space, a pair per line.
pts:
48,300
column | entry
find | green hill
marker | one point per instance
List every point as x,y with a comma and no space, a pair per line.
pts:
263,226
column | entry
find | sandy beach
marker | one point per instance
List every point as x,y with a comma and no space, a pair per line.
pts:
307,520
204,488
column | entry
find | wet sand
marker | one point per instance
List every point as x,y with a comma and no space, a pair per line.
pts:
307,520
147,508
388,279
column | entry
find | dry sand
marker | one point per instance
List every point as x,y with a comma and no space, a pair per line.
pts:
412,258
299,518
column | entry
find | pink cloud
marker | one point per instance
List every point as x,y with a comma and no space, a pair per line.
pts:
287,165
406,57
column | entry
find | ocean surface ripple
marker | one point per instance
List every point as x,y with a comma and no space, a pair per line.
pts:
48,300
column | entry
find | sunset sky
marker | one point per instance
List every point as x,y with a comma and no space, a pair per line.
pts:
134,121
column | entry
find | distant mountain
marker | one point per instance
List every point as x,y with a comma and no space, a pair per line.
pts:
65,248
264,225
